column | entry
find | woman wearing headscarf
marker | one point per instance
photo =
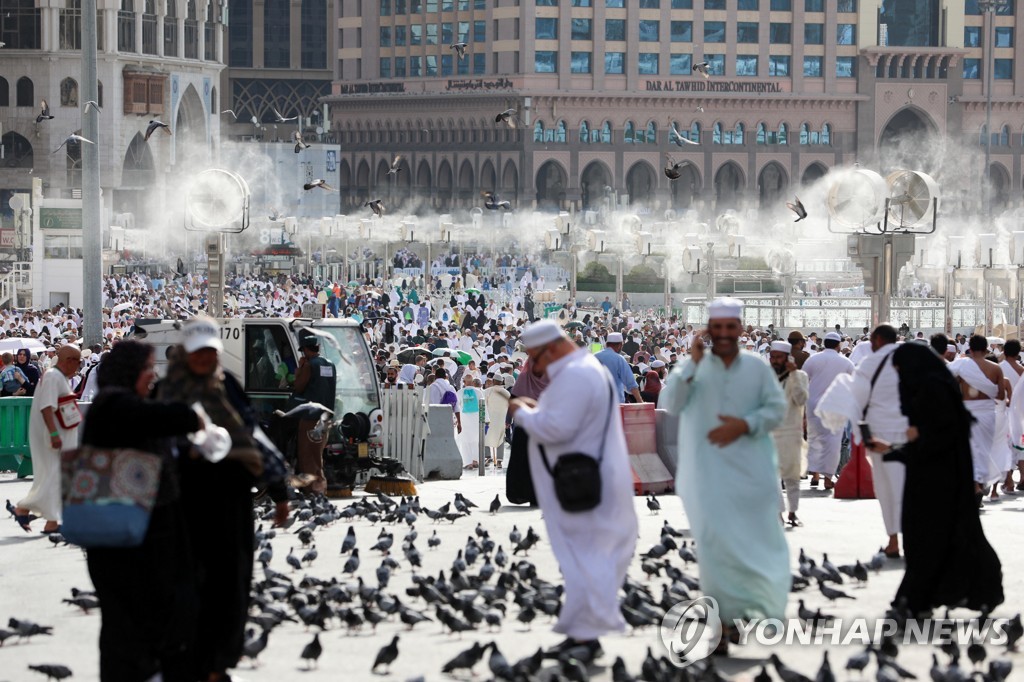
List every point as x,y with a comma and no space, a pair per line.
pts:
23,360
949,561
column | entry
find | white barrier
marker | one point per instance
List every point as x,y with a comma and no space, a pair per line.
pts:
405,428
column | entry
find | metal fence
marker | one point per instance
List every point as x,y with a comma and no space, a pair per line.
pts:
404,429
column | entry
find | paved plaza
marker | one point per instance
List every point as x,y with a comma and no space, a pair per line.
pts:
36,576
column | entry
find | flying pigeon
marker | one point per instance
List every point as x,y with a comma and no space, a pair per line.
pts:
377,206
460,49
255,121
90,103
508,117
229,111
318,183
395,168
282,119
72,139
44,112
274,216
699,110
299,144
152,127
703,68
797,208
493,202
677,138
672,171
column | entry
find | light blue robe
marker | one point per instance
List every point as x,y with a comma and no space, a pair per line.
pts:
731,493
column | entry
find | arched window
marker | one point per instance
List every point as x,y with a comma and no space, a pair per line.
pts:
606,133
984,134
826,134
652,133
762,134
805,133
5,93
538,131
69,92
629,132
695,132
584,132
1004,137
783,133
716,134
560,132
737,136
25,93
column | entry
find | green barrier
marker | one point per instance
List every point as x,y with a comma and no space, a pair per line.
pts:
14,447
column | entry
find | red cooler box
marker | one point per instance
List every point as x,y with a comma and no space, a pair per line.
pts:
649,474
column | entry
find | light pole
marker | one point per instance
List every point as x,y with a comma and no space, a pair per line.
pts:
989,9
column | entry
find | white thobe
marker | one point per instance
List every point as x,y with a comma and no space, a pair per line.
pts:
822,444
789,435
468,439
593,548
44,498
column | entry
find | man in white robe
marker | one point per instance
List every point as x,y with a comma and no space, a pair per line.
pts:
789,435
981,382
1012,371
823,445
579,413
728,403
468,440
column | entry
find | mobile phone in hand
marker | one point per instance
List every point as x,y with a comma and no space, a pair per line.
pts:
865,432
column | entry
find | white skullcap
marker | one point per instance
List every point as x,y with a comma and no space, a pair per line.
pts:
950,348
726,307
540,333
833,336
614,337
782,346
657,364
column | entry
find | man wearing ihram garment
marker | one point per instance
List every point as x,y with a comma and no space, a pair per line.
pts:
728,402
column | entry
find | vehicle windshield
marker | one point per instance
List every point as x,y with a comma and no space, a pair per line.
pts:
357,379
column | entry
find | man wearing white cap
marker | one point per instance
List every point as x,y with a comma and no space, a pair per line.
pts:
578,412
823,445
729,402
789,435
611,358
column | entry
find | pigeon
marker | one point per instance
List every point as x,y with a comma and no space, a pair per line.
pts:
498,664
999,670
299,144
84,603
352,565
282,119
310,556
73,138
859,661
460,49
153,126
830,593
786,673
678,138
797,208
26,629
395,167
976,653
508,117
495,505
703,68
52,671
255,121
528,667
312,651
433,541
349,543
386,656
293,560
90,103
274,216
5,635
653,504
493,202
465,660
619,672
1013,630
44,112
229,111
318,183
377,206
11,509
672,171
825,673
254,646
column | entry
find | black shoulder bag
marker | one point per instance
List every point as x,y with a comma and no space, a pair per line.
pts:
577,475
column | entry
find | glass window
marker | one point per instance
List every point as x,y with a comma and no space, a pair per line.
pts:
746,31
462,67
463,31
747,4
431,34
649,30
812,67
415,66
399,36
584,132
580,62
814,34
560,132
680,65
479,31
1003,69
846,34
575,3
431,5
782,5
762,134
846,5
814,5
614,62
447,36
431,65
695,132
446,64
780,33
714,4
972,36
629,132
399,67
716,134
714,31
778,65
415,6
276,41
652,133
737,135
826,134
680,4
546,28
716,64
681,31
385,36
385,8
1004,36
804,134
582,29
783,134
972,68
547,3
650,4
479,63
545,61
846,67
385,67
416,34
647,63
615,29
746,65
614,3
447,6
606,133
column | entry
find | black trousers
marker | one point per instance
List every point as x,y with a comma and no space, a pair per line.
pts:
148,602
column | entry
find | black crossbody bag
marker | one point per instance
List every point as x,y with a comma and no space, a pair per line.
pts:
577,475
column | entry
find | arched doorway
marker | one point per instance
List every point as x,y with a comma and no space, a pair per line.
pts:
403,181
444,185
551,182
189,138
812,174
488,177
465,187
640,183
729,184
907,129
771,184
345,178
363,181
423,181
998,186
686,188
17,151
510,182
596,176
138,174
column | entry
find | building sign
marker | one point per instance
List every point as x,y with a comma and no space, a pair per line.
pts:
479,84
370,88
713,86
313,311
6,239
60,218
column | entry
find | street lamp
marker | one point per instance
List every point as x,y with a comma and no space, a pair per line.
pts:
989,8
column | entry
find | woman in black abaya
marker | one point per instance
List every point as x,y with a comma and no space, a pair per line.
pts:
949,561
